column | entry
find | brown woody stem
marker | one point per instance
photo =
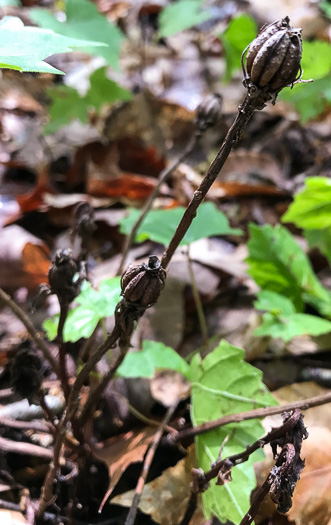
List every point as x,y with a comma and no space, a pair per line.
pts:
244,114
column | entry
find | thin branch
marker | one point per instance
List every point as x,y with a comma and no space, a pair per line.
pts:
303,404
190,509
38,426
27,449
197,300
147,465
64,309
164,175
36,336
95,394
244,114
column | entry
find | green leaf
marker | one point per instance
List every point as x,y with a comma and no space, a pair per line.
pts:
239,33
223,383
311,208
152,357
160,225
316,59
274,302
326,6
50,326
182,15
11,3
25,48
83,20
293,325
320,239
68,105
278,263
309,99
93,305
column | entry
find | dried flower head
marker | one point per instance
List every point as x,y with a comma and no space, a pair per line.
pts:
61,276
142,283
273,58
209,112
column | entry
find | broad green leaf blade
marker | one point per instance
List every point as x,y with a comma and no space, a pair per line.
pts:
239,33
152,357
311,208
160,225
223,383
68,105
92,306
24,48
278,263
182,15
309,99
293,325
274,302
83,20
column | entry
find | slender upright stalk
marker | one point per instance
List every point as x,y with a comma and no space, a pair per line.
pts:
164,175
244,114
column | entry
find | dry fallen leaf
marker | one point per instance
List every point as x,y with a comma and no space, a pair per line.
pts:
165,498
24,260
120,451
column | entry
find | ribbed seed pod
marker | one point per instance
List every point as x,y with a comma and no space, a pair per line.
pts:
273,58
209,112
142,283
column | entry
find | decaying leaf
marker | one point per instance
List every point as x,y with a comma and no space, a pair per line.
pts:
120,451
165,498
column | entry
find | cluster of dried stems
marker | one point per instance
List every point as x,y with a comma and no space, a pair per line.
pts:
69,429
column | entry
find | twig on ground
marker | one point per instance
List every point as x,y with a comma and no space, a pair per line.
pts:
164,175
147,465
38,426
27,449
303,404
36,336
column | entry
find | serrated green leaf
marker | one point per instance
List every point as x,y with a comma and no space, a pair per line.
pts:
152,357
223,383
240,32
274,302
182,15
93,305
278,263
83,20
311,208
293,325
160,225
68,105
24,48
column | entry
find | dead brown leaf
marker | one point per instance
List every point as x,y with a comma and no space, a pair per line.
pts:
166,497
120,451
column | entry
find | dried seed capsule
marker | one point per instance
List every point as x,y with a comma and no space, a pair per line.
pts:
61,276
266,32
209,112
273,58
142,283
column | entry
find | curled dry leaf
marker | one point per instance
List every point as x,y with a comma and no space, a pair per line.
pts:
24,262
120,451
